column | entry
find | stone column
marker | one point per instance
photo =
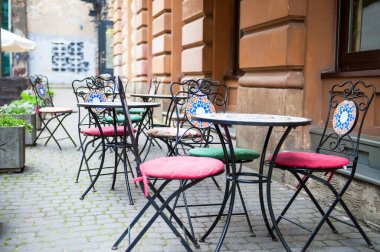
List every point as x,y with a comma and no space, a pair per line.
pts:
272,55
139,49
197,35
117,36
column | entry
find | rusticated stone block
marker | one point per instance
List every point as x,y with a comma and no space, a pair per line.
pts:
197,60
160,6
162,24
161,44
191,9
141,35
280,46
161,64
256,12
200,30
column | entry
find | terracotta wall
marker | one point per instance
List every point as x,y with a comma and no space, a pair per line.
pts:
272,55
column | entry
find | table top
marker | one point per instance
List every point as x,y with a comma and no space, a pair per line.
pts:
253,119
118,104
159,96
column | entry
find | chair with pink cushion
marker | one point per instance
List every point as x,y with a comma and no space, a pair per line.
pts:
338,149
95,132
168,169
46,108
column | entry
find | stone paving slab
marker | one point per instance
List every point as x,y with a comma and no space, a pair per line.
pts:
40,210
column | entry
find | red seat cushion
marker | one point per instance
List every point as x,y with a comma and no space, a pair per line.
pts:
180,167
310,160
107,131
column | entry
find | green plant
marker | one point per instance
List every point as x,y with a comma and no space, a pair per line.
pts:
17,107
9,121
28,96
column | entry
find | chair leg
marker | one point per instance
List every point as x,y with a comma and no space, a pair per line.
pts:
126,176
302,183
183,183
216,183
353,219
227,194
45,126
159,212
86,161
63,127
98,173
115,169
245,211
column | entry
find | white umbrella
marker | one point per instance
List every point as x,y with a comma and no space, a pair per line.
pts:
11,42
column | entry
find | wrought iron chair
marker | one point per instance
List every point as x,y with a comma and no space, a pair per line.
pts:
337,149
204,95
101,91
168,169
96,89
56,115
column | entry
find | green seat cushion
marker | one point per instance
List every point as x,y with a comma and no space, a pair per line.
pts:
121,118
241,154
137,111
132,111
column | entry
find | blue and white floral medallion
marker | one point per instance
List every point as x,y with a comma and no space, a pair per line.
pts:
345,117
95,97
199,105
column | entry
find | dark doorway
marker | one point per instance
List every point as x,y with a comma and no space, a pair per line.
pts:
106,47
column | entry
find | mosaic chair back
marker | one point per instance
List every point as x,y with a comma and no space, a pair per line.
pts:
203,96
338,148
348,107
41,89
94,89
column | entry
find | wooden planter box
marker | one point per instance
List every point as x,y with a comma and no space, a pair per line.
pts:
30,137
12,149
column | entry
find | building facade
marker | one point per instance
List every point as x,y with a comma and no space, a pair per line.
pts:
65,37
275,56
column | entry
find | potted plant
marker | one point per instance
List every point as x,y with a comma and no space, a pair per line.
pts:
22,110
12,143
28,96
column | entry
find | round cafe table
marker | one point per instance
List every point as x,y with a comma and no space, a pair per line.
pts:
233,177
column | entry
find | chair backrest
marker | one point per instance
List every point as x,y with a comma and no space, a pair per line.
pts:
94,89
201,96
128,127
348,106
41,90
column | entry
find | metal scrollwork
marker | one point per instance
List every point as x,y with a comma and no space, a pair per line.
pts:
356,97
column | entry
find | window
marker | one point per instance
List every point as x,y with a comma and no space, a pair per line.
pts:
359,35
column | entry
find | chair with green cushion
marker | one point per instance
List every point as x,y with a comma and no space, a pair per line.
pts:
241,154
204,96
121,119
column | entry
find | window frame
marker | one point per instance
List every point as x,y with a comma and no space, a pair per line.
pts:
352,61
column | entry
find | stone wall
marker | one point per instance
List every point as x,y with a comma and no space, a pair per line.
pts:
66,40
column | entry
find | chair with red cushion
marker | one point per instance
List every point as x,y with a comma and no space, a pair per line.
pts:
101,136
178,168
46,108
338,149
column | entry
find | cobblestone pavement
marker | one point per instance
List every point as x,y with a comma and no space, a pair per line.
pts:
40,210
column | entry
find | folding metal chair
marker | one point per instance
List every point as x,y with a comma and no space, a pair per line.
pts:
348,106
56,114
193,169
205,96
93,126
